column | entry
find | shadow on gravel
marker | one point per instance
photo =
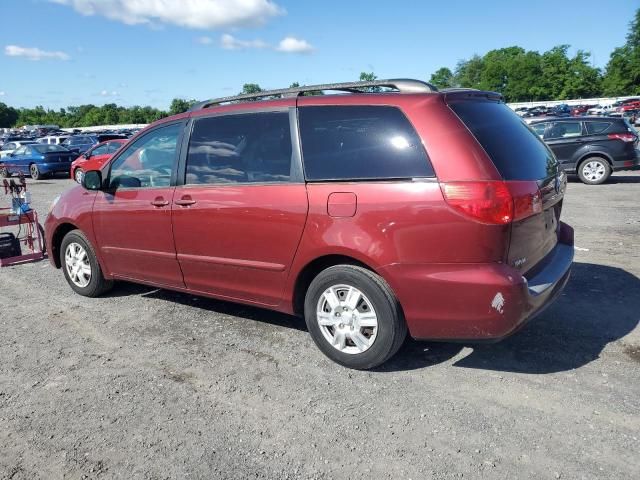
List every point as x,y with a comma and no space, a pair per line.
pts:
615,178
599,305
596,308
124,289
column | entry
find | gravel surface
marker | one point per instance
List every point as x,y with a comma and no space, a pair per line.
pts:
147,383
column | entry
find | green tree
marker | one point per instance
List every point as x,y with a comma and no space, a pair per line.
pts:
180,105
622,75
442,78
369,77
468,72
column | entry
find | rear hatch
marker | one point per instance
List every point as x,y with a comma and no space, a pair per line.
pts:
530,172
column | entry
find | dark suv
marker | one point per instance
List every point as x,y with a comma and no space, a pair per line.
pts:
592,147
368,214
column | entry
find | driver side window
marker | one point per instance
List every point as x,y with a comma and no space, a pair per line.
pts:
148,162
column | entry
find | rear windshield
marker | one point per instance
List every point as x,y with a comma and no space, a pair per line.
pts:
49,148
517,152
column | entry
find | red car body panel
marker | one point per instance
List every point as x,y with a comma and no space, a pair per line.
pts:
95,162
252,243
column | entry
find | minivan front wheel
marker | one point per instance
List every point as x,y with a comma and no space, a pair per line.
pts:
353,317
80,266
594,171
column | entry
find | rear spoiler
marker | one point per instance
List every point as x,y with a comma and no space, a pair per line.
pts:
463,93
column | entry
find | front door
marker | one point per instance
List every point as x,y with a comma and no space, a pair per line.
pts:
132,215
239,216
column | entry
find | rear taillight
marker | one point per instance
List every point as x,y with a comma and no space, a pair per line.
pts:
625,137
493,202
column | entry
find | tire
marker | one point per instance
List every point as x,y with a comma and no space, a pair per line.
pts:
346,335
4,173
35,172
78,174
594,171
92,284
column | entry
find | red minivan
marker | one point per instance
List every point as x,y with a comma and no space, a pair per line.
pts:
368,213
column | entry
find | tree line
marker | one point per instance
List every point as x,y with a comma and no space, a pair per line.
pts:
518,74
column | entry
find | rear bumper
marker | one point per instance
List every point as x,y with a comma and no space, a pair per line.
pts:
479,302
632,163
54,167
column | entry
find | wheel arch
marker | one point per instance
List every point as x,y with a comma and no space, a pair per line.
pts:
56,240
312,269
592,154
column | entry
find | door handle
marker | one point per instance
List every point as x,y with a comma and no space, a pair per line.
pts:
185,201
159,202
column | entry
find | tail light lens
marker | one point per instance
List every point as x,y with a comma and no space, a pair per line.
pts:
493,202
625,137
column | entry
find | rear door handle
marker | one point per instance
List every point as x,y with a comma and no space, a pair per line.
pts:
159,202
185,201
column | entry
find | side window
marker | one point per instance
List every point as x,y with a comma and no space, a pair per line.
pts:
101,150
148,162
360,142
113,147
564,130
9,146
539,129
20,151
594,128
241,148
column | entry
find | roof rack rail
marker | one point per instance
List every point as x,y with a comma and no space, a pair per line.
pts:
402,85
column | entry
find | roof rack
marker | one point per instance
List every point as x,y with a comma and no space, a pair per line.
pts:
402,85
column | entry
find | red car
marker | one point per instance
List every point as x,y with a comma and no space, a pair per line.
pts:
367,214
95,158
580,110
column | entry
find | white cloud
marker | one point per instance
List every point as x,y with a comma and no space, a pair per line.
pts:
286,45
107,93
201,14
229,42
204,40
33,53
294,45
2,93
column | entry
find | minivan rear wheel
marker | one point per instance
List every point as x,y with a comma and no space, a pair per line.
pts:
594,171
353,317
80,266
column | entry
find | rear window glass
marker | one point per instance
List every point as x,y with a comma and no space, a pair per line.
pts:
48,148
360,143
517,152
597,127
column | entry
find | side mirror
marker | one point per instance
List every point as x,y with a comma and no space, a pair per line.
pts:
92,180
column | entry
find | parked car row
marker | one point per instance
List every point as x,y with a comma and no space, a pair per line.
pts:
629,108
41,159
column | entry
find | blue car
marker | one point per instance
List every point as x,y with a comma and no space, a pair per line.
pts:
37,160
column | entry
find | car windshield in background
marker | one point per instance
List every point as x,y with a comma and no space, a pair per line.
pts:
517,152
49,148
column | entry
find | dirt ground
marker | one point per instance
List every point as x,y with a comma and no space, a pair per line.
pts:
147,383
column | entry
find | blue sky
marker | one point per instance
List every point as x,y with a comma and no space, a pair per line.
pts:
57,53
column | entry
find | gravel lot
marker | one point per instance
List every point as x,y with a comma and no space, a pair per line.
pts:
147,383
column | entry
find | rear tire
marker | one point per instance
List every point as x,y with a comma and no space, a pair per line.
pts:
594,171
353,317
80,266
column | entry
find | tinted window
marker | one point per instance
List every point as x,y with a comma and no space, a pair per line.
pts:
148,162
517,152
564,130
360,142
594,128
9,146
252,147
113,147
